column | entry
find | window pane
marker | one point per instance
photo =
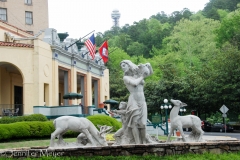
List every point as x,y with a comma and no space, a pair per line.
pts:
3,14
29,18
28,1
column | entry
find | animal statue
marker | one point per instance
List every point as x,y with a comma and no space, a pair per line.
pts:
104,129
78,124
180,122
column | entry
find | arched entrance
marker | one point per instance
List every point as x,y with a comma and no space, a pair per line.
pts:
11,88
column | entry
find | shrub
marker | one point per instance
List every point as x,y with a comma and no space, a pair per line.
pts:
38,129
105,120
32,117
34,129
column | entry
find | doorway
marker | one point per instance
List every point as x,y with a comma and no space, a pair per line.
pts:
18,99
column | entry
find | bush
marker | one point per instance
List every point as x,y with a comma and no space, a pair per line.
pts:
32,117
29,128
19,130
105,120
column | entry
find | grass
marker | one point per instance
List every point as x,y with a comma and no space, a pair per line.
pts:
31,143
204,156
34,143
46,142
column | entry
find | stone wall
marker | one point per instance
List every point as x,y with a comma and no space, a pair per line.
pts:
160,149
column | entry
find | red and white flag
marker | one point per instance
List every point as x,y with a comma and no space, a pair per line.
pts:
103,51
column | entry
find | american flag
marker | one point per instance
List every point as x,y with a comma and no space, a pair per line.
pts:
90,43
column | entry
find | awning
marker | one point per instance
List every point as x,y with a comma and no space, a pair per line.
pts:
72,95
110,101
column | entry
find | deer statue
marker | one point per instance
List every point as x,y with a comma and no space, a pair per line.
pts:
78,124
180,122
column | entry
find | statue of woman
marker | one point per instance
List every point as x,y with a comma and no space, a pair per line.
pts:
136,112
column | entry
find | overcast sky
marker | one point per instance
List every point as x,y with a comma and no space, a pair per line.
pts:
79,17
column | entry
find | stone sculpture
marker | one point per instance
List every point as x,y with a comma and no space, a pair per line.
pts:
180,122
89,135
122,111
135,114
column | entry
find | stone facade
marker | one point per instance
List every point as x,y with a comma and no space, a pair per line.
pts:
16,14
160,149
38,71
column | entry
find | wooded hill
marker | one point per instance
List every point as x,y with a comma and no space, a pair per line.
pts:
195,57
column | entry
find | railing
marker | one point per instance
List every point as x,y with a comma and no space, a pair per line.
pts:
12,108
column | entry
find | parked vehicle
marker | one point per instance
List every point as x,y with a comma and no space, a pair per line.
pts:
187,129
206,126
219,127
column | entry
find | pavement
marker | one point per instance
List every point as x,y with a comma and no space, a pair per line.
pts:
219,138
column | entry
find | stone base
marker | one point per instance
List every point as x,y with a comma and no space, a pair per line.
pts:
160,149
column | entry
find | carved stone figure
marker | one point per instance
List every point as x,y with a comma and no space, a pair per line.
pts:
180,122
124,135
83,139
122,111
89,135
136,110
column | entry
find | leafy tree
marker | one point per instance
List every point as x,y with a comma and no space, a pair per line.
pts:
217,118
225,80
211,8
121,41
193,38
136,49
229,30
99,39
118,91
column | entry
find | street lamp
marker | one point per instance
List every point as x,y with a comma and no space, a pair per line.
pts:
166,106
182,110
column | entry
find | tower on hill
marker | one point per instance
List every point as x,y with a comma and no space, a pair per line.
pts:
115,16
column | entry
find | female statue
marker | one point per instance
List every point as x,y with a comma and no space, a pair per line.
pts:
136,112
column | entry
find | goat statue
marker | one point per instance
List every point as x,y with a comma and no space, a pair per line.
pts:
89,132
180,122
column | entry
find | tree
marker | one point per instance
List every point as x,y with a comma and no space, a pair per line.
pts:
229,30
216,118
118,91
136,49
194,39
211,8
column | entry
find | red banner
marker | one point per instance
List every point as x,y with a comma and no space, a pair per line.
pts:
103,51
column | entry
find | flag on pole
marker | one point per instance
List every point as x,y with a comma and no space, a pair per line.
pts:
103,51
90,43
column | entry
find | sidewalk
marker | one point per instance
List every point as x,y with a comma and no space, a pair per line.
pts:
219,138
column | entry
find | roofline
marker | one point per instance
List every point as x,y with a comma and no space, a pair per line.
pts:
11,44
3,26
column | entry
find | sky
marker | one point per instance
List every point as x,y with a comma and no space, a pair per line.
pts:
80,17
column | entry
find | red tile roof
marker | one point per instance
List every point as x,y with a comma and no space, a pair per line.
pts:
15,27
16,44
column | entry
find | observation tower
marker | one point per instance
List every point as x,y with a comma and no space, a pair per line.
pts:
115,16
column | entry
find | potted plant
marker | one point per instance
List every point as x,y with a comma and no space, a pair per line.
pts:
178,133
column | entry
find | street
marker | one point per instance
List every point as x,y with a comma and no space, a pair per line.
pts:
229,134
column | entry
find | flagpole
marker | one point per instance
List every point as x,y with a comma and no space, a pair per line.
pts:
99,60
88,52
102,42
113,50
96,52
80,39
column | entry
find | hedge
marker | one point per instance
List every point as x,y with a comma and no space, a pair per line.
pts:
32,117
21,130
40,129
99,119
